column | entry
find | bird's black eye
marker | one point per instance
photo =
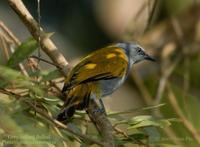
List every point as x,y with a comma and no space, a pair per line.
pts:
140,51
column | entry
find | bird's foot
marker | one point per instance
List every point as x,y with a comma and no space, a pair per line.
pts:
99,110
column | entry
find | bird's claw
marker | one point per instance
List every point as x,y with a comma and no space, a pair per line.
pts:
99,110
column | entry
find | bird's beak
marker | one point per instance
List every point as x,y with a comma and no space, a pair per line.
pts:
147,57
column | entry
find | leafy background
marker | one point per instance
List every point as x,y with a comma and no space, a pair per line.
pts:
159,103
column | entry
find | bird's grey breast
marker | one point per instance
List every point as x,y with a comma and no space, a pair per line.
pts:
109,86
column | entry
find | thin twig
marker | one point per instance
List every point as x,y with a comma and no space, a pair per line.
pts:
119,131
186,84
9,33
4,47
38,58
164,77
60,135
142,88
10,44
180,37
172,99
151,13
39,26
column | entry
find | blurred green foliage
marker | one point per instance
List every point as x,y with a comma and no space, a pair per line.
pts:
25,126
21,125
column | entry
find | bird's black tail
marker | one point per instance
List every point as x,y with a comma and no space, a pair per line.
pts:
77,99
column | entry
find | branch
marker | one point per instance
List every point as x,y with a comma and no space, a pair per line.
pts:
7,38
101,122
134,140
187,124
46,44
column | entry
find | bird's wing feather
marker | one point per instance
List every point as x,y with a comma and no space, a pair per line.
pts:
106,63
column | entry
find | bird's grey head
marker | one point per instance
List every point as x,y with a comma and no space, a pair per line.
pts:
135,52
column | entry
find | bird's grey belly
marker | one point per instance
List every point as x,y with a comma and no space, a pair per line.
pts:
109,86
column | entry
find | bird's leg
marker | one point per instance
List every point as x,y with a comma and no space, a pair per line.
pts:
101,109
102,106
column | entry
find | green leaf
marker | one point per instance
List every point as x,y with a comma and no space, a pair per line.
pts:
3,83
112,114
22,52
18,80
153,134
51,75
165,145
47,75
147,120
138,136
51,99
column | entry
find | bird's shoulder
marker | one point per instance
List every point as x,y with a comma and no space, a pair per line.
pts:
106,63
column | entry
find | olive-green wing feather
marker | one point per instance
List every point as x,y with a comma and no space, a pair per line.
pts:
106,63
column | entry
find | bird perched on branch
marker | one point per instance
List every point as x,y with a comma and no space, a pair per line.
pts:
98,75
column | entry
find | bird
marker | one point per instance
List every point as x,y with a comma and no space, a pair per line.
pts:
98,75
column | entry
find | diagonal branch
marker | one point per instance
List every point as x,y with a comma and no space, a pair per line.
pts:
46,44
186,123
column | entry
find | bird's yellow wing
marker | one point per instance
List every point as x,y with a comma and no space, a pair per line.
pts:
106,63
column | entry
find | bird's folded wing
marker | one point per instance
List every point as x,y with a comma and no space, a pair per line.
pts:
103,64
